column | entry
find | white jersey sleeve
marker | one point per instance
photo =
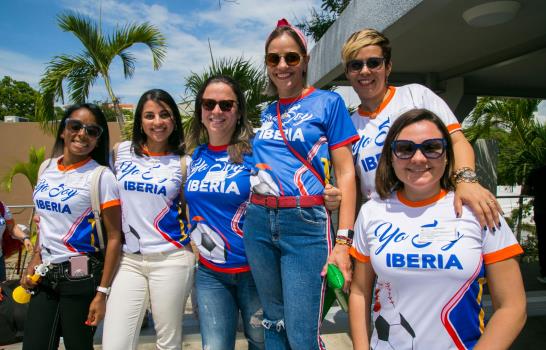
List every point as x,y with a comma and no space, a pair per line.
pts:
427,99
360,249
109,192
499,245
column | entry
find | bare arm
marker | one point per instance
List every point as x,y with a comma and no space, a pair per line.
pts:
345,177
508,296
17,233
36,259
359,305
112,224
482,202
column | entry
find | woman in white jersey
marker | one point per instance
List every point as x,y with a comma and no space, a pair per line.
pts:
70,300
431,265
287,230
366,56
157,264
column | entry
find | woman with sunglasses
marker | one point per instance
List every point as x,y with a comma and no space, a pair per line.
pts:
287,230
217,192
70,300
157,263
431,265
367,58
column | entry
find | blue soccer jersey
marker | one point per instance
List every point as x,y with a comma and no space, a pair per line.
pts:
217,192
313,124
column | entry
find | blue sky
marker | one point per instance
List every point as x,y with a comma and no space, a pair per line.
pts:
31,37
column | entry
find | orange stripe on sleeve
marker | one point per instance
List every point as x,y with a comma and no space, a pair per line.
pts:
503,254
454,127
359,256
112,203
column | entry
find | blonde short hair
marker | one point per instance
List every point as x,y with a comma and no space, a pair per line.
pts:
363,38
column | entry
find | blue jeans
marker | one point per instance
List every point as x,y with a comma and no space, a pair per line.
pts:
220,297
287,249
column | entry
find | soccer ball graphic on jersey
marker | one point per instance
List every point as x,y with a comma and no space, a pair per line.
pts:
211,244
263,183
393,334
392,330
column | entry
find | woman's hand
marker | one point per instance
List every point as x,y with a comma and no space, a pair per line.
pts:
26,281
332,197
483,204
97,310
28,244
340,257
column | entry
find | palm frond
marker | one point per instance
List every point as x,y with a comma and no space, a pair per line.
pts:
27,169
251,79
88,33
144,33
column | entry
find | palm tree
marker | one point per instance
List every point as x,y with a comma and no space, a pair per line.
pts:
522,140
252,80
29,169
79,72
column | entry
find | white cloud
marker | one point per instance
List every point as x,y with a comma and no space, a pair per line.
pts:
21,67
236,29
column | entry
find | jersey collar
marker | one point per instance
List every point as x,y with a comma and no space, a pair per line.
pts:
62,167
423,203
390,94
285,101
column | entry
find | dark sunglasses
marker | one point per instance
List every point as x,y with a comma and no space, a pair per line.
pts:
291,59
372,63
225,105
74,125
431,148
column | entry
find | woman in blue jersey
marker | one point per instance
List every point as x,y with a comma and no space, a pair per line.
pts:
287,229
70,300
217,192
431,265
157,264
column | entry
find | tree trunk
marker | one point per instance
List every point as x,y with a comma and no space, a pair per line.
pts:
115,101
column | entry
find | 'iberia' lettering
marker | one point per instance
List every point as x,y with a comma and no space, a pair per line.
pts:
423,261
291,134
144,187
213,186
53,206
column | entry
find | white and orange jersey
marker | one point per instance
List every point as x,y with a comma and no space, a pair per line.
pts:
430,268
373,127
63,201
149,187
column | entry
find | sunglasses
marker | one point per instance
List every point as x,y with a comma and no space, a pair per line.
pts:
291,59
225,105
74,126
431,148
372,63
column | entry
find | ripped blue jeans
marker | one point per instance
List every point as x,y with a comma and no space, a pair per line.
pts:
220,297
287,249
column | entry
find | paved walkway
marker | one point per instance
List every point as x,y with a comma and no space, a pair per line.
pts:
335,326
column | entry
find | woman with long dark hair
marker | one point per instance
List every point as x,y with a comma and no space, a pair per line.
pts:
70,300
157,263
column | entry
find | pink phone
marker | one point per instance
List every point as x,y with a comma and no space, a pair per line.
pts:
79,266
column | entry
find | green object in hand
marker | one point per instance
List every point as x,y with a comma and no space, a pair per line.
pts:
334,291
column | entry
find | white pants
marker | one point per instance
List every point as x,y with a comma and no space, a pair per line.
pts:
165,280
